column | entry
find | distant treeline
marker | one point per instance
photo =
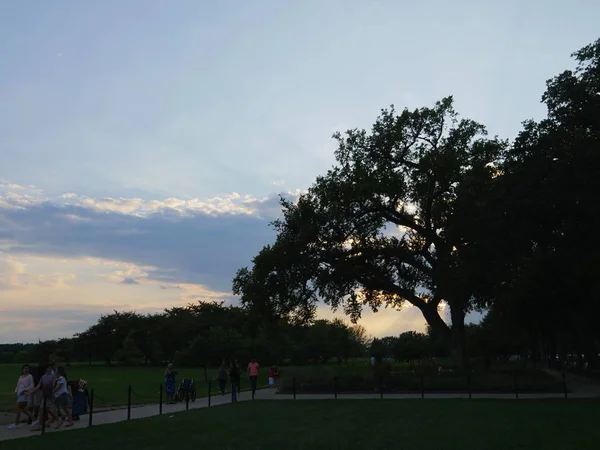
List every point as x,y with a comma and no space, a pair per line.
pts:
196,335
203,334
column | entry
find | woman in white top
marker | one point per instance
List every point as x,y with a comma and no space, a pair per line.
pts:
24,387
61,397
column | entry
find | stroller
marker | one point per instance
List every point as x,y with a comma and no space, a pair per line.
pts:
186,388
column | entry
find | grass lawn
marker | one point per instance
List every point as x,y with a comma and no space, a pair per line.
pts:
110,383
350,424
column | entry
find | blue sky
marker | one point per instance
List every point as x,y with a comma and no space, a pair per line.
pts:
147,140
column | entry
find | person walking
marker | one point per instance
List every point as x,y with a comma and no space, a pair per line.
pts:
46,385
80,398
61,398
23,391
253,368
273,375
222,377
234,376
35,399
170,383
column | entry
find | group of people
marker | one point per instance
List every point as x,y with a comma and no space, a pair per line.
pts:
44,397
233,373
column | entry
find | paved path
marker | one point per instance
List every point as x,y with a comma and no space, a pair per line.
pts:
146,411
577,384
137,412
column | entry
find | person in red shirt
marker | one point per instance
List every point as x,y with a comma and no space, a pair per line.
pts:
253,374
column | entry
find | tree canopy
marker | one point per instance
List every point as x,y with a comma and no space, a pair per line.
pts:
427,209
550,186
197,335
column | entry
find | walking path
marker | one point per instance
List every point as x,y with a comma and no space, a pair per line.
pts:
142,412
576,383
137,412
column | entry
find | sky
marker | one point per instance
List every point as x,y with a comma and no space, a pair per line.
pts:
143,144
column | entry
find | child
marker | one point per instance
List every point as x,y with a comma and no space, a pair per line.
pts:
61,398
24,387
273,375
170,384
80,398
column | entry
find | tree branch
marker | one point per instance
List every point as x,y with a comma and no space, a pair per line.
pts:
405,221
402,255
436,300
382,284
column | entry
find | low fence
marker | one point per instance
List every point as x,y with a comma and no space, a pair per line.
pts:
95,401
514,383
505,382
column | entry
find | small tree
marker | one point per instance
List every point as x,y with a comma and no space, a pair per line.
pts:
129,354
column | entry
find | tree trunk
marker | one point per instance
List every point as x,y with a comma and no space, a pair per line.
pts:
453,336
459,344
437,324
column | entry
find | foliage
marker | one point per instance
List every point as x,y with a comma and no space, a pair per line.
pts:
426,209
129,354
546,284
384,226
197,335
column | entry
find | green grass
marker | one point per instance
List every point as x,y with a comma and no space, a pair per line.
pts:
350,424
110,383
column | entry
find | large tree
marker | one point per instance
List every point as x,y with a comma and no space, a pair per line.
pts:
388,224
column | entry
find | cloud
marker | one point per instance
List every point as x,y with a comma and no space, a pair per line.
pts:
14,276
233,203
166,287
47,310
74,254
172,241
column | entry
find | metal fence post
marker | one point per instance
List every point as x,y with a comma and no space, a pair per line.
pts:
294,387
209,389
187,401
160,400
516,387
422,386
469,384
335,389
381,387
91,408
129,403
564,377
